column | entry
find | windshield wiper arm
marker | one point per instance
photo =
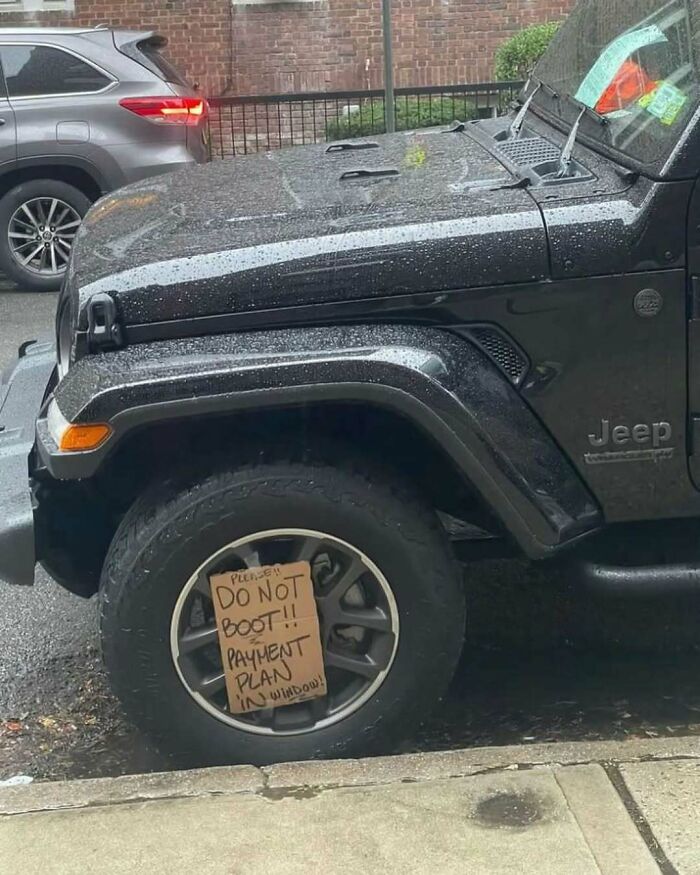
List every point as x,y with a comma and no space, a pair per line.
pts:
517,126
567,153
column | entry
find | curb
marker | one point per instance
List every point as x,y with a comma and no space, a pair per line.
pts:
52,796
332,774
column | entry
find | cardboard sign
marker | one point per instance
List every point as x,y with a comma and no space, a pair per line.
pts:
269,636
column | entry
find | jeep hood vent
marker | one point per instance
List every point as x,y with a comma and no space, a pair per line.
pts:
537,159
526,153
368,173
351,146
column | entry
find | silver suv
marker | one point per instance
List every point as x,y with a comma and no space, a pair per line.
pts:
82,112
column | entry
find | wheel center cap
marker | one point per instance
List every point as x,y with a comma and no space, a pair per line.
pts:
47,235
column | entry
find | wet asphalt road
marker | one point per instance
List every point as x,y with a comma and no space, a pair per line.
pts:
37,625
57,717
544,662
44,627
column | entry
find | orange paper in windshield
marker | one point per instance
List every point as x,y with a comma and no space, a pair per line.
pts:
630,84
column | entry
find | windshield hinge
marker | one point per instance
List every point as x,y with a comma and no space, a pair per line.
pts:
104,330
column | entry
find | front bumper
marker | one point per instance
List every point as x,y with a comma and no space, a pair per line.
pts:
22,394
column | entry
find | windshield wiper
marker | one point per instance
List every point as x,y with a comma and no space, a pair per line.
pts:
567,153
517,126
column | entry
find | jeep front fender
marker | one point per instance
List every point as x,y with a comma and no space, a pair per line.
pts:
441,382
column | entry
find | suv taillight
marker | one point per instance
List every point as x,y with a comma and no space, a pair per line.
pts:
168,110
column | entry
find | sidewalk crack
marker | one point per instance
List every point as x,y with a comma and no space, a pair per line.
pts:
641,823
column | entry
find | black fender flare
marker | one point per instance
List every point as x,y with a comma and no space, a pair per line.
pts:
443,383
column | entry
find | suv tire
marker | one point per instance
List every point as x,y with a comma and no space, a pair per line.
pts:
29,193
173,528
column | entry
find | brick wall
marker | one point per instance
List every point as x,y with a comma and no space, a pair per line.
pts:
337,44
327,45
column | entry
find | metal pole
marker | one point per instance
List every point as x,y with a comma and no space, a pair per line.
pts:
389,102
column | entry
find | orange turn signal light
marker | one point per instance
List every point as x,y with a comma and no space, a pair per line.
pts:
84,437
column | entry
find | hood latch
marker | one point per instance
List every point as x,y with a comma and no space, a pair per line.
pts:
104,330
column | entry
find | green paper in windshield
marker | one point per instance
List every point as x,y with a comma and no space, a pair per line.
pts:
665,103
603,72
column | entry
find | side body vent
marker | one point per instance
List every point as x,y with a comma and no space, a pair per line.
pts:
501,350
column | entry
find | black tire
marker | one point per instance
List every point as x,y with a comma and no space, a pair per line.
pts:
174,527
28,191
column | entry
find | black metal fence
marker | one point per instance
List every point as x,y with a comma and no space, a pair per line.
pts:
241,125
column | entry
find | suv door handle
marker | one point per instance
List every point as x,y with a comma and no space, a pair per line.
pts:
3,122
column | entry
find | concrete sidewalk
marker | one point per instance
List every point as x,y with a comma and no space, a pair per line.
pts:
613,808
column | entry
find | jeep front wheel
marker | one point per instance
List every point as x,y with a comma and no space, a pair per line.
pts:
388,593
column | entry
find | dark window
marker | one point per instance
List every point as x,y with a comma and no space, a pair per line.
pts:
156,61
35,70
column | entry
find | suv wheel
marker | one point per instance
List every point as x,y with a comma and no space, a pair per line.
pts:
389,595
38,223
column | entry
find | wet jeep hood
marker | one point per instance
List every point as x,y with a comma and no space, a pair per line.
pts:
421,211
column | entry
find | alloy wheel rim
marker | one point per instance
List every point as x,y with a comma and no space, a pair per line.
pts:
358,618
41,234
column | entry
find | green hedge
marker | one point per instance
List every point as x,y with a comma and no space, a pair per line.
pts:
516,58
410,113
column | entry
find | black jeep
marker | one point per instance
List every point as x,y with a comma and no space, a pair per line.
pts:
384,358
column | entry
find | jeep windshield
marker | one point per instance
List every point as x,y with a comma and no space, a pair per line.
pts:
635,62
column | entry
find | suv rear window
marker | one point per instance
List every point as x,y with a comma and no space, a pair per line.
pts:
157,63
31,71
